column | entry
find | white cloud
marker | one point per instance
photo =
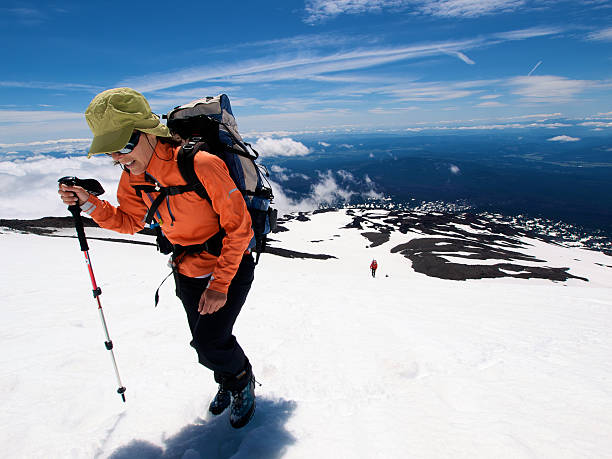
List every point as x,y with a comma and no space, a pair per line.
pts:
268,146
469,8
49,143
322,10
463,57
490,96
490,104
40,125
601,35
548,88
530,32
295,67
26,15
597,124
563,138
279,173
51,86
311,64
325,191
28,187
454,169
430,92
31,116
345,175
324,144
391,111
534,68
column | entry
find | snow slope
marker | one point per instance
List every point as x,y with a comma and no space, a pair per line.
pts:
401,365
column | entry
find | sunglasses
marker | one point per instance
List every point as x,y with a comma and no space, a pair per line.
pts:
130,145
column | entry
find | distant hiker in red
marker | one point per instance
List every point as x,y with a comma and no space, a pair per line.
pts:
373,267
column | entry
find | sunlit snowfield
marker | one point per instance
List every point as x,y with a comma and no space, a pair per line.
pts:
401,365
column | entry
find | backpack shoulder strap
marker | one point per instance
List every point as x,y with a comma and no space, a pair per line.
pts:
185,161
164,191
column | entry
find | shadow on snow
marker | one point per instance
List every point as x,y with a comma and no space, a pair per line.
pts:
264,437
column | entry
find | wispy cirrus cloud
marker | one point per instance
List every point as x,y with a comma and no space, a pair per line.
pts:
295,67
463,57
34,116
601,35
51,86
310,41
527,33
430,92
469,8
321,10
490,104
391,111
318,11
534,68
25,15
19,126
47,145
548,88
315,65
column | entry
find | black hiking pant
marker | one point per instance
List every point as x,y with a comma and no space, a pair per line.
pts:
213,340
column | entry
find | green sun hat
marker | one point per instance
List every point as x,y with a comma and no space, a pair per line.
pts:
114,114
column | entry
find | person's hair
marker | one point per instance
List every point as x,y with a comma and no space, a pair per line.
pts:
169,141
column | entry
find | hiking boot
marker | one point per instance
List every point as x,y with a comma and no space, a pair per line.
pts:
221,401
243,405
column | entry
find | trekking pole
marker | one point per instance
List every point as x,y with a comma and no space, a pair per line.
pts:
93,187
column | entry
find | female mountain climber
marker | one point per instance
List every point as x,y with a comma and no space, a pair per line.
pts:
212,288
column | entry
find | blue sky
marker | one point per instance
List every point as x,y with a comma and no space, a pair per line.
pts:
310,66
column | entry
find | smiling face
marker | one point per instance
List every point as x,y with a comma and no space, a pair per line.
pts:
138,159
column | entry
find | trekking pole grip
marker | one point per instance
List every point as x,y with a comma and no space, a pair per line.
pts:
78,224
91,186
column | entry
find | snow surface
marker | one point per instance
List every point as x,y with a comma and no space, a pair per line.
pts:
403,365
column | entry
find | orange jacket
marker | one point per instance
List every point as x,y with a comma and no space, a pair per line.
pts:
186,218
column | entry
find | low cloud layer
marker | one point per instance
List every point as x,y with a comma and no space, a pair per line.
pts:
563,138
330,188
28,186
268,146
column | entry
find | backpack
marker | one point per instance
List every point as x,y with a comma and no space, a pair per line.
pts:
209,124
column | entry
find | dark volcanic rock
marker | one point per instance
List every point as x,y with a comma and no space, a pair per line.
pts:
293,254
377,238
45,225
108,239
323,211
427,255
460,235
